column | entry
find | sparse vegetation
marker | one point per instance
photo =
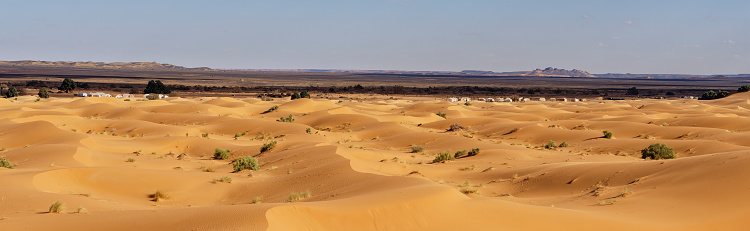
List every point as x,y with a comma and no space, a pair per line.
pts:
443,157
744,88
473,152
221,154
456,127
43,93
159,196
224,179
130,160
4,163
550,145
257,200
308,130
441,114
288,119
82,210
268,146
469,168
245,162
156,87
564,144
709,95
274,108
304,94
293,197
12,92
658,151
416,149
57,207
208,169
459,153
607,134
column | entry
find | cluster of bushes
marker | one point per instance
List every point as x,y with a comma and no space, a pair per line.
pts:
713,95
445,156
245,162
288,119
304,94
268,146
221,154
658,151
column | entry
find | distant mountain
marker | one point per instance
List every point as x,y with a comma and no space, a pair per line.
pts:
98,65
558,72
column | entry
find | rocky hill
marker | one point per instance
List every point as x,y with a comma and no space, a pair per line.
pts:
559,72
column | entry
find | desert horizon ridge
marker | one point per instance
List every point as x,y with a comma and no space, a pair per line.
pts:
368,164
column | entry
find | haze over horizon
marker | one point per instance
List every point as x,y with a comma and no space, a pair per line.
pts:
680,37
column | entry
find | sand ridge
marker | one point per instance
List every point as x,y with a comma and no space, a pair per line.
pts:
355,158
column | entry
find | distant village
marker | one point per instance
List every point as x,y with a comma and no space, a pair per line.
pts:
514,99
102,94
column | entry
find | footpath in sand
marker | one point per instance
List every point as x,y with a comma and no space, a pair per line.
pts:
105,158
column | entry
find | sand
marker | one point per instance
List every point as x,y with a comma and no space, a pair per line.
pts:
109,156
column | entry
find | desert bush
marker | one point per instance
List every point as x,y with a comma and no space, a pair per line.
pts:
744,88
130,160
67,85
551,144
564,144
152,97
224,179
221,154
443,157
268,146
257,200
82,210
207,169
441,114
159,196
4,163
43,93
237,135
416,149
459,153
709,95
308,130
295,95
473,152
658,151
274,108
607,134
298,196
513,131
156,87
204,135
304,94
288,119
246,162
57,207
12,92
456,127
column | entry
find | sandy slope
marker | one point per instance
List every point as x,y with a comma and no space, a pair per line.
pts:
357,164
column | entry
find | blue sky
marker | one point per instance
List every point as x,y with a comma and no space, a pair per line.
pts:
690,37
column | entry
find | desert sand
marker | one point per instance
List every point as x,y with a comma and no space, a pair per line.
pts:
105,157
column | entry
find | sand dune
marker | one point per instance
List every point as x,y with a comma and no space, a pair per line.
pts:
109,156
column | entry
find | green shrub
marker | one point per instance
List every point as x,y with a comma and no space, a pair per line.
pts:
551,144
441,114
237,135
298,196
204,135
12,92
43,93
246,162
607,134
459,153
57,207
295,96
157,87
152,97
274,108
267,146
224,179
658,151
308,130
473,152
442,157
288,119
4,163
304,94
709,95
221,154
564,144
744,88
416,149
67,85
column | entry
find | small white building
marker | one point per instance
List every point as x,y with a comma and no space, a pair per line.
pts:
453,99
508,100
463,99
98,94
576,100
524,100
128,95
84,94
490,100
542,99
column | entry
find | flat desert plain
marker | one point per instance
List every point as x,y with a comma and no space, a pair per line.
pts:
351,164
